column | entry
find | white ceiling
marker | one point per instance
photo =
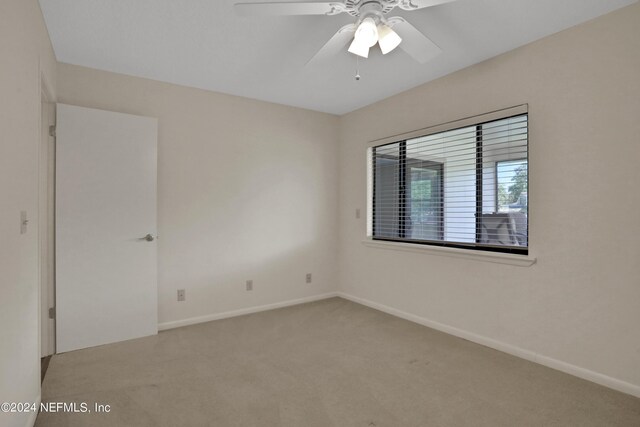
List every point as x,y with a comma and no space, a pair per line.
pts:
203,44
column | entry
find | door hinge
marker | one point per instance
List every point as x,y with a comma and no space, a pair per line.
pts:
52,313
52,131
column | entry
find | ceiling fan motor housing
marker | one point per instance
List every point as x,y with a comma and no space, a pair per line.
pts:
364,7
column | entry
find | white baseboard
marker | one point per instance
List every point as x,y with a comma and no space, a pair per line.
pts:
226,314
31,421
550,362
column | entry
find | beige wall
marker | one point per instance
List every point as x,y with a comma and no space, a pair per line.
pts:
580,304
26,55
247,190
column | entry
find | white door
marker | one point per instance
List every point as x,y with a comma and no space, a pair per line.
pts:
106,270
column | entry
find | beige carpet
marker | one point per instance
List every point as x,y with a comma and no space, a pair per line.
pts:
328,363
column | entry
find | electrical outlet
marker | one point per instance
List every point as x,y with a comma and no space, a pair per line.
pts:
249,285
357,213
181,295
308,277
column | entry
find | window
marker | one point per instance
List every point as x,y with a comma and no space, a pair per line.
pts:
511,190
462,187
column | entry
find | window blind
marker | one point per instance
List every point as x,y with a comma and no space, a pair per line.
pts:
464,187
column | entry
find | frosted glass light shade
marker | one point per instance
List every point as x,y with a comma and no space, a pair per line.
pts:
367,32
359,48
387,38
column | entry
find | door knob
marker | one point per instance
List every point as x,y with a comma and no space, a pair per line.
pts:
149,238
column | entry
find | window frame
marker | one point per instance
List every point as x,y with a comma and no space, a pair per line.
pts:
478,122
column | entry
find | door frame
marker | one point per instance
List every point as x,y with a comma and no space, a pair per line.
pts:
46,221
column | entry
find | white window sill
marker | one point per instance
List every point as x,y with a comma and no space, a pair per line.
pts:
495,257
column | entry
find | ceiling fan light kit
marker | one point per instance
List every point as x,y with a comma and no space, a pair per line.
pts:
371,27
366,37
369,33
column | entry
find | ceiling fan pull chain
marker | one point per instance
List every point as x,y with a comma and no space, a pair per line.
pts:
357,67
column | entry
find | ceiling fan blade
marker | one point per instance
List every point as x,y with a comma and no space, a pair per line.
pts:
335,43
416,44
420,4
287,8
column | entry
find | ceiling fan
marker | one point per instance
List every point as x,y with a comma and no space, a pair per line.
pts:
371,27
